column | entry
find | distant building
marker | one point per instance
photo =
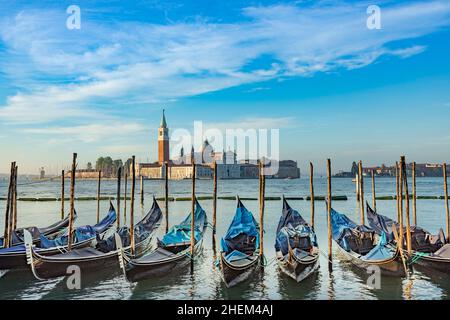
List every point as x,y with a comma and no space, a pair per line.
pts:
228,166
422,170
42,173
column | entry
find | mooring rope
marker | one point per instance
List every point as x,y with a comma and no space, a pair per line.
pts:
417,256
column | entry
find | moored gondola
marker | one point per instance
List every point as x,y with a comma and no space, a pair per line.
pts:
240,247
172,251
104,254
364,248
17,237
15,257
428,250
297,251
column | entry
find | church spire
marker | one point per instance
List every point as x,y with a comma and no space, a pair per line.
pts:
163,120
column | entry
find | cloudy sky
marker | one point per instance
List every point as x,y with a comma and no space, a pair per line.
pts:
312,69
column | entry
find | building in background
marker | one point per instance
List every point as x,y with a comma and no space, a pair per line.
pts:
422,170
228,166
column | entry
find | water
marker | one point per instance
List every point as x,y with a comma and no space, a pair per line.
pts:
204,282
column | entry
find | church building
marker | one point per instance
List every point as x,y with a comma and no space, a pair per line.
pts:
180,168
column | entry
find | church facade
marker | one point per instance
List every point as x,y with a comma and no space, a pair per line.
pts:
180,168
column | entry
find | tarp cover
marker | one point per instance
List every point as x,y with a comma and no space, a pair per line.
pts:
342,228
243,224
107,221
142,230
422,240
444,252
235,255
182,233
17,235
292,225
380,251
81,234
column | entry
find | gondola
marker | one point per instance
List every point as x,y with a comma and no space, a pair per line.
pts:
103,255
297,251
17,237
15,257
364,248
172,251
239,256
428,251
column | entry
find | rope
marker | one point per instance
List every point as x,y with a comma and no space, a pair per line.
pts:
417,256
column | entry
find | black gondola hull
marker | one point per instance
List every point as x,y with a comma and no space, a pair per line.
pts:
233,274
47,270
433,264
298,269
136,272
47,267
18,260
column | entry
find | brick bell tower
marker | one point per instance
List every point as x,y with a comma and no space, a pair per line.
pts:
163,141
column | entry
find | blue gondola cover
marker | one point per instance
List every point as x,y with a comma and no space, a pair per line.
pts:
292,224
243,223
182,233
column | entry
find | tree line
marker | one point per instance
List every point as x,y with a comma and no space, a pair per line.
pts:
109,167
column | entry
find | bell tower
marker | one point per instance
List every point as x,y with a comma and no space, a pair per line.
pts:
163,141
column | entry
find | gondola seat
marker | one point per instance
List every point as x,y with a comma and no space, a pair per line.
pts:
242,243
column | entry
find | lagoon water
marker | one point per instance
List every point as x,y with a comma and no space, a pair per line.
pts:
204,282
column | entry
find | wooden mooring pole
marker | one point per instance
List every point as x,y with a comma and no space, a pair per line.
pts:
262,195
408,222
414,194
125,198
193,211
400,204
361,193
62,194
311,189
166,190
72,200
98,194
374,195
330,231
133,185
6,237
447,218
142,190
214,198
119,177
14,203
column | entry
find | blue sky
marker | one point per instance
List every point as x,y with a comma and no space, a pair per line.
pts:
313,69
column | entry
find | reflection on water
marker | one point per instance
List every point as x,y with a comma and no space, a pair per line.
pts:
204,280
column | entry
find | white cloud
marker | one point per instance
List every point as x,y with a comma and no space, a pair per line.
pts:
87,133
60,73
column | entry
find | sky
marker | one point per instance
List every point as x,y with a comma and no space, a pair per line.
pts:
312,69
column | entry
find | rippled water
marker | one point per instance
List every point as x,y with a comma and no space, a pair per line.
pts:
204,282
